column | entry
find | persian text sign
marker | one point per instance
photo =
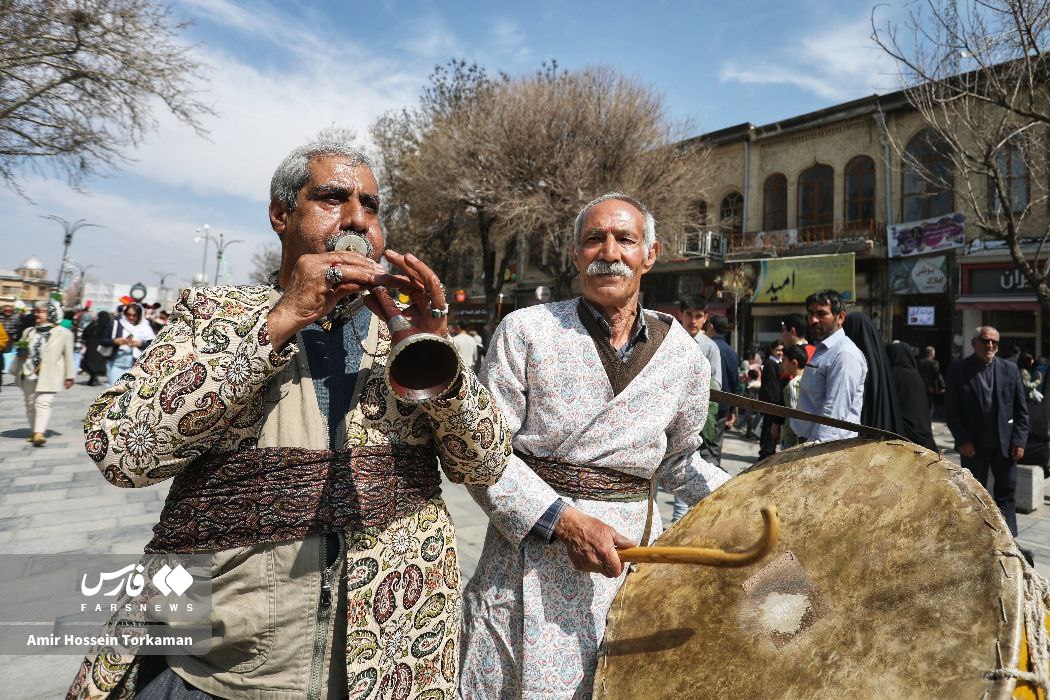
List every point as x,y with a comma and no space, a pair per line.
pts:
1004,279
926,236
919,275
791,280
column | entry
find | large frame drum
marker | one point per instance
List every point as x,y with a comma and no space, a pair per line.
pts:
895,576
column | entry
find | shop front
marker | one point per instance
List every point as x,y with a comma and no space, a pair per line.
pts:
668,282
921,304
781,286
996,293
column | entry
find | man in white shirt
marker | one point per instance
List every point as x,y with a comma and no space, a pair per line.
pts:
833,383
465,345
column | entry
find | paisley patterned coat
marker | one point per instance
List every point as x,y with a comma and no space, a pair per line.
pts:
533,623
211,384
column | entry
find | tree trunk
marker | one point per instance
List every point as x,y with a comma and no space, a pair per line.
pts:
494,273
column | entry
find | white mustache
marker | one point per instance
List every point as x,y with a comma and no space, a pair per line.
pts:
600,268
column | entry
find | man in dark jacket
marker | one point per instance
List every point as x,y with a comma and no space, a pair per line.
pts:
931,376
716,328
988,416
771,391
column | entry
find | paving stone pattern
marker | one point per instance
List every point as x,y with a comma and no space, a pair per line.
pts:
53,500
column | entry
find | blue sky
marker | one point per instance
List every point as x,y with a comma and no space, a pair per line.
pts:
280,72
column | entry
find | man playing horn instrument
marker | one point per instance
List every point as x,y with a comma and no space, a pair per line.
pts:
338,563
602,397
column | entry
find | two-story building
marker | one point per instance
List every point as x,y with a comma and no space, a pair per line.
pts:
28,282
826,200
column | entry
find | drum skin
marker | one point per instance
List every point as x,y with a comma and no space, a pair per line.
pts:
888,581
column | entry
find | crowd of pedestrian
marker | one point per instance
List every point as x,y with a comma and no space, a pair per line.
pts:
836,364
46,346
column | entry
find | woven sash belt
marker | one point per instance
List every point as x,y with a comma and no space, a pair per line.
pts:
278,494
588,483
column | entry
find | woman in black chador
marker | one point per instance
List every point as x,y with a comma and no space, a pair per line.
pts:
94,362
913,403
881,408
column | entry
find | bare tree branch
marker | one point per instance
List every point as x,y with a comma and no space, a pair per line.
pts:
993,119
484,167
81,79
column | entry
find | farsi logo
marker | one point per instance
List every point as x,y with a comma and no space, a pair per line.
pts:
130,579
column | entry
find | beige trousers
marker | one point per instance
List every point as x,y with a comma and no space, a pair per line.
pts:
38,406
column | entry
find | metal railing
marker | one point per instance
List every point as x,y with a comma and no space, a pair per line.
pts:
703,243
777,242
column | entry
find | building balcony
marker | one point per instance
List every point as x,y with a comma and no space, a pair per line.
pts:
699,243
859,235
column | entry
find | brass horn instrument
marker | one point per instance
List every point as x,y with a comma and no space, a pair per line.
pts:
420,365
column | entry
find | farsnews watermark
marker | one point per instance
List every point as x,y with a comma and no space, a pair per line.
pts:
132,583
130,604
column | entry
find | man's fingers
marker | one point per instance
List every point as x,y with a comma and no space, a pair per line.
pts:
352,258
621,542
417,270
611,564
430,280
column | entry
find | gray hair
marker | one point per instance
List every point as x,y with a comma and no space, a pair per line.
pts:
981,329
650,221
294,170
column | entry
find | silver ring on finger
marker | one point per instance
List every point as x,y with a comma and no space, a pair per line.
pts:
333,275
437,313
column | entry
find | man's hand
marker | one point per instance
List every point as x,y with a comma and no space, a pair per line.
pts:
310,297
1016,452
968,450
69,383
590,543
730,420
424,289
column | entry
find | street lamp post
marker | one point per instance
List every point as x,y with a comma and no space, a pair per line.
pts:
69,228
218,257
202,235
220,248
82,269
161,288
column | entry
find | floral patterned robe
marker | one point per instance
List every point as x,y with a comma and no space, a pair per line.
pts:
211,383
532,623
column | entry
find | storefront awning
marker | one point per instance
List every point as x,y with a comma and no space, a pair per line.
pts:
996,303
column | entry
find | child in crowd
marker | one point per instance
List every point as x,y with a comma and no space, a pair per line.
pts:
794,364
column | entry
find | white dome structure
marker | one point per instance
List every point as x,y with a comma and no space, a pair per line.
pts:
32,263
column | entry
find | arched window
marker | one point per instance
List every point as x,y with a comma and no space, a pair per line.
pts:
775,203
816,192
1013,167
860,190
731,213
928,178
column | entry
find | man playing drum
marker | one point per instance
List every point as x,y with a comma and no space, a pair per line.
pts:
602,397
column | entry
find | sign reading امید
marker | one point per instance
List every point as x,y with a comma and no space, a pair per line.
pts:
791,280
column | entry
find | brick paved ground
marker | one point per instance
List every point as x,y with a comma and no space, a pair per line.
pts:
53,500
